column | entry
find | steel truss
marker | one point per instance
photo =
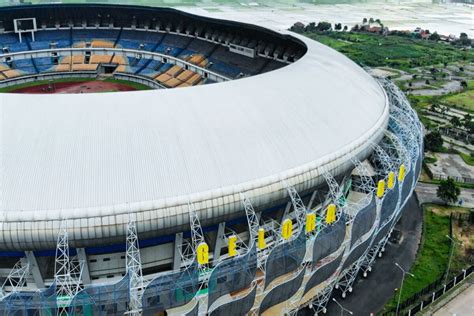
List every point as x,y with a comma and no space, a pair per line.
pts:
319,303
16,279
298,206
381,162
392,144
364,184
67,272
384,163
336,195
197,238
134,268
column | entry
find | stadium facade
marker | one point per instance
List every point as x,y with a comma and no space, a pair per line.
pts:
274,177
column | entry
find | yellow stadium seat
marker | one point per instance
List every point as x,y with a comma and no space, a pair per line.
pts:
163,77
194,79
173,82
63,67
119,60
78,59
102,44
185,75
121,68
174,71
84,67
11,73
99,59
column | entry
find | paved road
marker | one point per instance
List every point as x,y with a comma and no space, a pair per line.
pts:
461,305
427,194
370,295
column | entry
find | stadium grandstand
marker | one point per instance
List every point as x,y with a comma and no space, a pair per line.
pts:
273,180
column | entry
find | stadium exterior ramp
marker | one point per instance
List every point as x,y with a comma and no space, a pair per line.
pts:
258,195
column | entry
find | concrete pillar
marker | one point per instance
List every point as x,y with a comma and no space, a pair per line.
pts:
178,242
81,254
35,271
219,243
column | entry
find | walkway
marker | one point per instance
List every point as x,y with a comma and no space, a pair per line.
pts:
461,305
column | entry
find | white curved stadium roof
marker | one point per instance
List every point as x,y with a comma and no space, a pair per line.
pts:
99,150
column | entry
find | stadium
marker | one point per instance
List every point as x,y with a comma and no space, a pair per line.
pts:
258,171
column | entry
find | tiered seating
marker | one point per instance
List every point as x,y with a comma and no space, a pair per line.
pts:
100,59
133,39
176,76
44,64
173,45
43,39
8,73
25,66
198,60
75,63
152,69
11,41
196,51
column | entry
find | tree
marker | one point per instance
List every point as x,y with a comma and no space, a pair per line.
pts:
324,26
378,21
310,27
434,37
371,20
364,20
455,121
345,28
298,27
464,84
464,39
448,191
338,26
434,141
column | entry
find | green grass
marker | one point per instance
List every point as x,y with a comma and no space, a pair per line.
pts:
468,159
399,52
432,258
464,100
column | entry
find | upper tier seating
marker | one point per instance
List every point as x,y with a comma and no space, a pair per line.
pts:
202,53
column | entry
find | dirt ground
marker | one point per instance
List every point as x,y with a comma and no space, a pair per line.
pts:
76,87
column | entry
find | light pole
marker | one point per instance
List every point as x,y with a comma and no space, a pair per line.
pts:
401,286
453,244
342,307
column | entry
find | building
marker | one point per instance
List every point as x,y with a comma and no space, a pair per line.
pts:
275,176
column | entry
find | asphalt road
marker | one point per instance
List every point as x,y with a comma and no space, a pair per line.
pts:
427,194
370,294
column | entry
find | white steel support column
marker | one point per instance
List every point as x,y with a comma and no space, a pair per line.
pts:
34,268
66,275
178,243
134,268
16,279
82,256
219,242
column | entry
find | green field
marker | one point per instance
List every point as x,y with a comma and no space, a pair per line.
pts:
464,100
432,258
399,52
